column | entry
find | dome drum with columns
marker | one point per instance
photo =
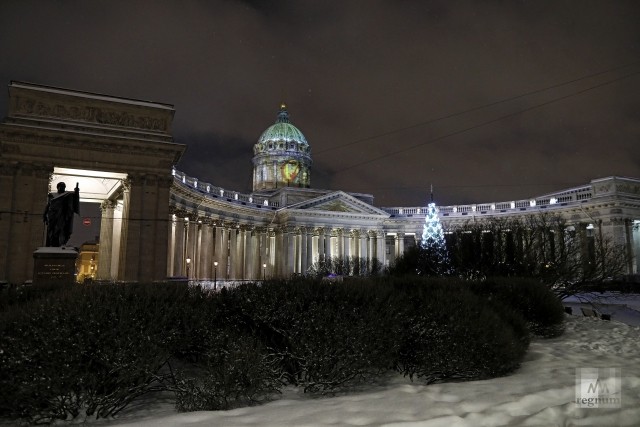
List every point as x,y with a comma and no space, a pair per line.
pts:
282,156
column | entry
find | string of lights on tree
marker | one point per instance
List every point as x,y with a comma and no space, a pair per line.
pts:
433,242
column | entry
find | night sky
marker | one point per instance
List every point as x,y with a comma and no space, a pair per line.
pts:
486,100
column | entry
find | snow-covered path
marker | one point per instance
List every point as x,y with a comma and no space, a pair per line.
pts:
541,393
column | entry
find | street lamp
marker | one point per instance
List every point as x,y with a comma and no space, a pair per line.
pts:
264,271
188,267
215,275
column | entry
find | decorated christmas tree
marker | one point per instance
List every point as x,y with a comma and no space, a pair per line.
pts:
435,259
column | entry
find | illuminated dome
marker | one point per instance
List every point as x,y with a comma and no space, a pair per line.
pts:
282,156
282,130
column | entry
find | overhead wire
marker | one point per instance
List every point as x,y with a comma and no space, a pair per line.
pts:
473,109
485,123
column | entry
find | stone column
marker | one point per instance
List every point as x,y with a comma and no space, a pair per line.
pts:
124,229
372,245
381,247
256,256
280,254
354,243
297,268
171,241
191,244
346,244
206,250
319,238
249,259
116,238
339,243
364,245
247,251
271,254
106,243
242,253
399,245
327,243
221,252
306,249
233,252
290,251
197,251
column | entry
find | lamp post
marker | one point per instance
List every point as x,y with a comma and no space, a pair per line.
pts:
188,267
215,275
264,271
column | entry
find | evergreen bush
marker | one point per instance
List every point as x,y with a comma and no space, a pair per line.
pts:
234,370
327,336
539,306
448,333
87,350
93,349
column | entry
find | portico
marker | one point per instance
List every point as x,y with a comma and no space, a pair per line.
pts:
124,145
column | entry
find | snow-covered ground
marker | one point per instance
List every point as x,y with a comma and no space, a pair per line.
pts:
541,393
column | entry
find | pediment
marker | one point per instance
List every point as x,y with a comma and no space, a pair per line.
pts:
338,202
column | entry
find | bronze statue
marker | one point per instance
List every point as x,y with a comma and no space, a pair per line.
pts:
58,215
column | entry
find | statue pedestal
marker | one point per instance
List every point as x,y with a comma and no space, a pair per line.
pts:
54,266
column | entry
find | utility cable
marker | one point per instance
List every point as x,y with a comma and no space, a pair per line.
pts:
488,122
470,110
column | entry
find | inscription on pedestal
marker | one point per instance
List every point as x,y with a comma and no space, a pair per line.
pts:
54,266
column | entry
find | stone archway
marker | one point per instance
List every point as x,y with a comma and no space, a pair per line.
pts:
51,132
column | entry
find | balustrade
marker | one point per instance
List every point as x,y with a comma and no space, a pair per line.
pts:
207,188
578,194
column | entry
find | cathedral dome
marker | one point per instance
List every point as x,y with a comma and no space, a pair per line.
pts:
282,130
282,156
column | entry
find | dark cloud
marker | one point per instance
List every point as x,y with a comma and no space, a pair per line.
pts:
359,77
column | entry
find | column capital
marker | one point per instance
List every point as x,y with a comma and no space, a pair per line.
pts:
207,220
128,182
246,227
288,229
178,212
107,204
192,216
260,229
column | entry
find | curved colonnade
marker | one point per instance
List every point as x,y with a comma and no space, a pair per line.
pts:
216,234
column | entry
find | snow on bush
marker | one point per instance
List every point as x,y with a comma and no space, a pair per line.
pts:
92,350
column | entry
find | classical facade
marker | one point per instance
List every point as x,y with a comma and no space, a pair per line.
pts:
283,226
159,222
